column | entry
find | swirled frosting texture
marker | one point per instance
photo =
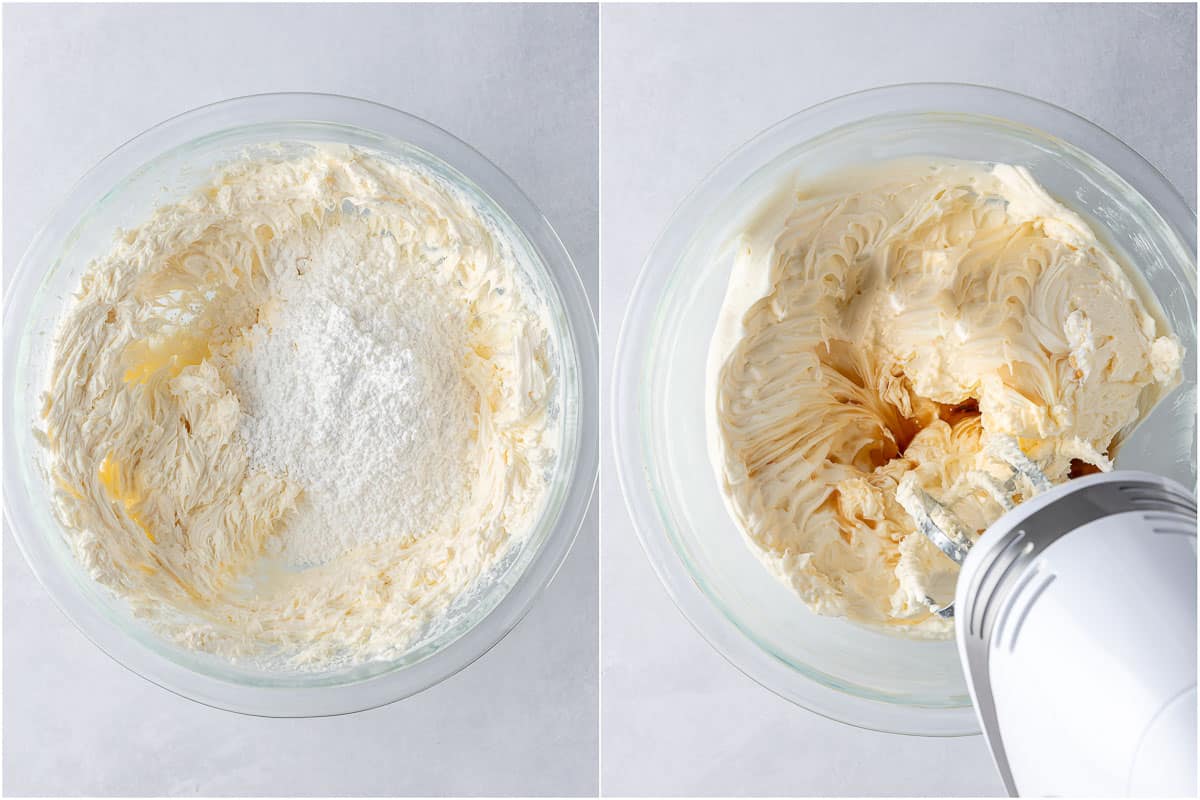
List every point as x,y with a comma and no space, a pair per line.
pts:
145,429
885,321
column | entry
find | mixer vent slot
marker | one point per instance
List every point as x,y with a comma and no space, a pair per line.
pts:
1150,501
995,573
1021,606
1175,532
1004,614
1144,495
1170,524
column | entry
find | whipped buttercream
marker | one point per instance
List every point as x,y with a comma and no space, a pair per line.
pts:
885,321
187,502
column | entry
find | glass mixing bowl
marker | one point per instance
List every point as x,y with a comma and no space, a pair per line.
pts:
830,666
168,162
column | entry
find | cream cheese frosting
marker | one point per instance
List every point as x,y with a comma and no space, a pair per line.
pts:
158,478
886,321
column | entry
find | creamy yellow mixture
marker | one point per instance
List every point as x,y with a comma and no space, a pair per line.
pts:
144,427
885,321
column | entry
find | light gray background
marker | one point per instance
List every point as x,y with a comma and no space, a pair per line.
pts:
520,84
682,87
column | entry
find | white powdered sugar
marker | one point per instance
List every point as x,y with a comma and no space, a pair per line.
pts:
351,388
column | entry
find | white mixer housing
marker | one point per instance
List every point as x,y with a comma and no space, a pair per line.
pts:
1076,617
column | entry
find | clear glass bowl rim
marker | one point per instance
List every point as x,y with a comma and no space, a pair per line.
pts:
581,336
629,413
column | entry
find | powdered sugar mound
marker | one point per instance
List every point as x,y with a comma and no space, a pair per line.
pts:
352,388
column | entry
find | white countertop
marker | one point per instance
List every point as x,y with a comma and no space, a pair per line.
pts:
681,88
518,83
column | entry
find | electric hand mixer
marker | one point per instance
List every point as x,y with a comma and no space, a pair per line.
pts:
1076,618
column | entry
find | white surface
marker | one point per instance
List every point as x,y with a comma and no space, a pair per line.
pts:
519,83
682,87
